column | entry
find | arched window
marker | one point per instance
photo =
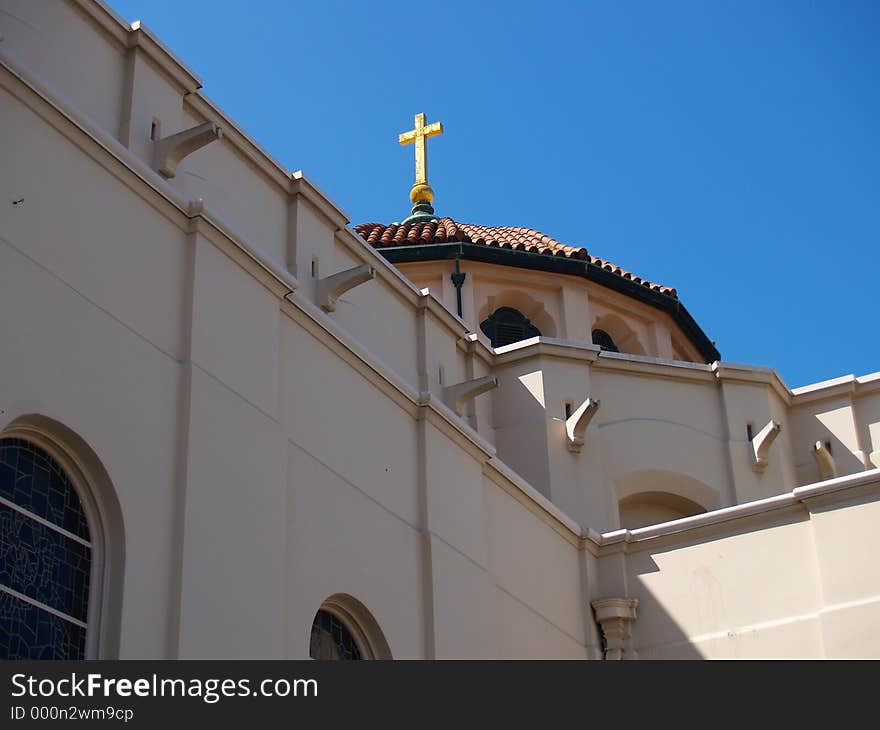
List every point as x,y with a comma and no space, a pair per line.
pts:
603,339
45,557
507,325
331,638
344,628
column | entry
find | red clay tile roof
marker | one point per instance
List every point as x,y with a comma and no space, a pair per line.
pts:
447,230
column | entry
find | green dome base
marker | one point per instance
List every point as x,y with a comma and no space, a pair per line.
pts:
421,213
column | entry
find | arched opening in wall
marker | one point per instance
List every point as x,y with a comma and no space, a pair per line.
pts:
344,629
652,508
61,546
507,325
604,340
512,315
682,352
650,496
612,333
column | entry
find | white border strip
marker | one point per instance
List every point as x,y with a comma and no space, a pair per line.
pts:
44,521
797,495
42,606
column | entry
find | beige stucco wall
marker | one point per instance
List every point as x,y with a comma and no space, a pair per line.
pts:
791,581
560,306
267,454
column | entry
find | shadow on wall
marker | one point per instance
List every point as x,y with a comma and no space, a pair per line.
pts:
651,496
652,508
806,467
528,306
519,423
519,410
697,592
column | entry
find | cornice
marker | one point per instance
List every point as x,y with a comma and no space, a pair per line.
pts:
531,499
401,285
141,37
654,367
560,265
754,375
440,415
120,162
92,140
848,385
545,347
225,237
429,302
300,184
330,334
594,357
192,216
106,18
640,539
137,35
239,140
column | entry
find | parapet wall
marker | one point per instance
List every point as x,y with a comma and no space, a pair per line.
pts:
791,576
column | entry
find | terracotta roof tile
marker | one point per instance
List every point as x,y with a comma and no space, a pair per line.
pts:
447,230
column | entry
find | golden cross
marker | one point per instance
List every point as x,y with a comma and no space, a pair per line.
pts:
419,135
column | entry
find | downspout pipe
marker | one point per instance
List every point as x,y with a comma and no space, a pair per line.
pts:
458,277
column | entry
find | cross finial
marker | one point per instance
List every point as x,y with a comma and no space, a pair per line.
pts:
421,194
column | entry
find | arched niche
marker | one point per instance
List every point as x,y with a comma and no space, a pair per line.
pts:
624,336
652,508
103,513
357,622
533,309
507,325
651,496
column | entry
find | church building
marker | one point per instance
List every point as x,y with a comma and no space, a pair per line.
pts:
233,424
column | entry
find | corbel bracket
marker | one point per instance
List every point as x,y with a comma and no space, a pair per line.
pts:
616,616
824,460
169,151
576,424
455,396
761,444
330,288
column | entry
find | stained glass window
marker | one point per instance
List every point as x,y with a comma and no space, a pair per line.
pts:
331,639
45,557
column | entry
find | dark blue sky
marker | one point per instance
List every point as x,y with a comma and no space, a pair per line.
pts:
726,148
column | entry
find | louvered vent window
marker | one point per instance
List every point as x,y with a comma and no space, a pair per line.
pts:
506,326
603,339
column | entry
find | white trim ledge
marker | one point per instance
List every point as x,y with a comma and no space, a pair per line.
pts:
748,509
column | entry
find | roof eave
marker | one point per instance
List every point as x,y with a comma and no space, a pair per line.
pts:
559,265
